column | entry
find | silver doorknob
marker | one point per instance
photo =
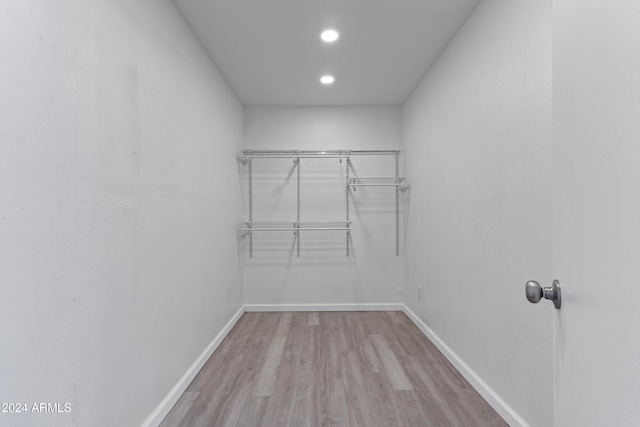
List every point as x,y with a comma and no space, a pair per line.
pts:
535,292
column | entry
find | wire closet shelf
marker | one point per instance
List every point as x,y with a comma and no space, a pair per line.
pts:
252,228
294,226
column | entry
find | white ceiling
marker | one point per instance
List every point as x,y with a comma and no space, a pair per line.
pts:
270,52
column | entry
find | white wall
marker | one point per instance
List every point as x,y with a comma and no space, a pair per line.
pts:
323,274
477,140
596,117
119,201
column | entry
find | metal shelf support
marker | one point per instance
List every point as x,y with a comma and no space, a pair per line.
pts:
297,160
348,165
397,204
250,207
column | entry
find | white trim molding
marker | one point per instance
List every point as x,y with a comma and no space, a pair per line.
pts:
510,416
176,392
324,307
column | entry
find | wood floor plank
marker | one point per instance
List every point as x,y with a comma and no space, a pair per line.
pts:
284,323
305,406
267,376
283,404
313,318
336,414
214,388
382,397
437,409
392,367
329,369
177,414
360,410
414,413
333,373
227,411
253,411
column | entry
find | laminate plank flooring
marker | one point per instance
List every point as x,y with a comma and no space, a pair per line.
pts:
329,369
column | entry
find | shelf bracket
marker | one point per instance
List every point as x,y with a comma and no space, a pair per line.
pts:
298,208
348,164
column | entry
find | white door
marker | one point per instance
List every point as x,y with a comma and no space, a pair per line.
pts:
596,112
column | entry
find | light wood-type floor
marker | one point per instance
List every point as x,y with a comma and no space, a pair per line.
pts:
329,369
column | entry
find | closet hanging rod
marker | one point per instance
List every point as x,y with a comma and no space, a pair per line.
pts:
286,154
377,182
295,229
297,226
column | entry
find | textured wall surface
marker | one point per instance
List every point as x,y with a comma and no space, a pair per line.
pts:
120,198
477,138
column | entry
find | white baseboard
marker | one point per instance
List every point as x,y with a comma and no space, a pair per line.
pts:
501,407
174,395
324,307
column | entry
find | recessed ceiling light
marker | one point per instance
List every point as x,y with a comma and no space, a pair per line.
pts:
329,36
327,80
